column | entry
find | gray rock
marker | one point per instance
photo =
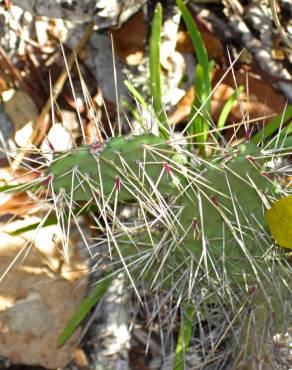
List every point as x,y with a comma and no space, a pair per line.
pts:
105,13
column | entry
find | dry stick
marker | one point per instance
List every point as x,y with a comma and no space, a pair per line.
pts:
57,89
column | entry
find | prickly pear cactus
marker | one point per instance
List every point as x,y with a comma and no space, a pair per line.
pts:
210,213
196,233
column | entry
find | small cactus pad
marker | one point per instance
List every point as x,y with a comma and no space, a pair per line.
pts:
229,209
126,165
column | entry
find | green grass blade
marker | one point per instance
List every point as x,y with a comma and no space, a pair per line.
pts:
155,70
272,127
197,40
94,296
136,94
227,107
51,220
184,338
137,117
284,139
197,125
204,91
18,188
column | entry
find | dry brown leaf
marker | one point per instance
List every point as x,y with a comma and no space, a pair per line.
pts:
183,108
255,108
278,54
38,294
129,40
8,176
24,176
80,358
3,83
213,44
258,90
18,204
260,102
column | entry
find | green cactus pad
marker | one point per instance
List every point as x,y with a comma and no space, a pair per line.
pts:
126,165
229,213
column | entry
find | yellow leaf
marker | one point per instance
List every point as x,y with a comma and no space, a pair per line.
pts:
279,219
